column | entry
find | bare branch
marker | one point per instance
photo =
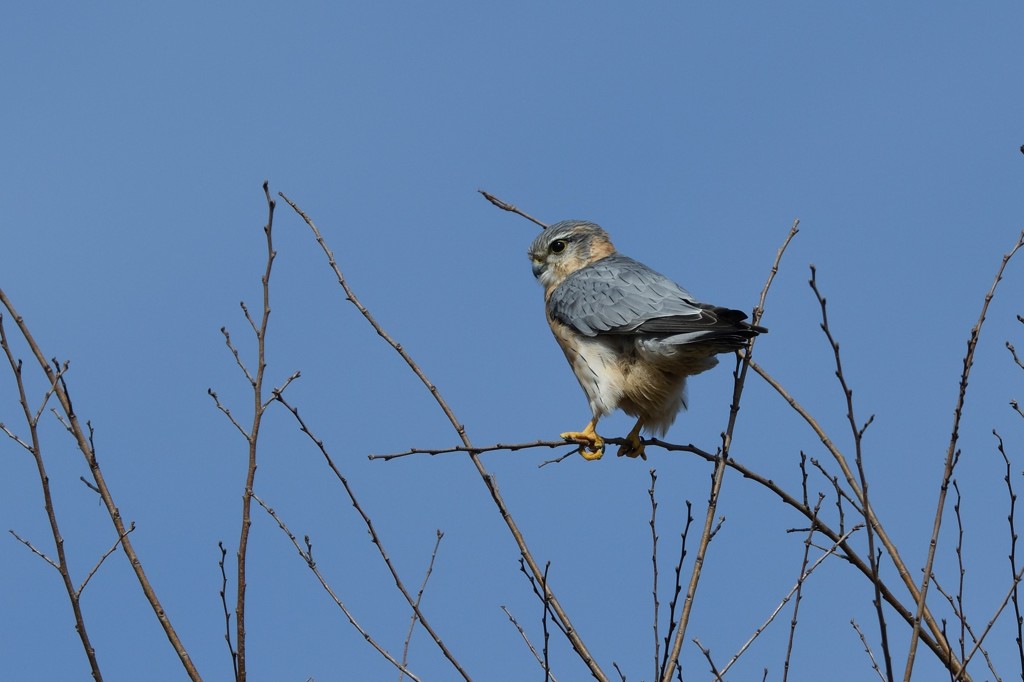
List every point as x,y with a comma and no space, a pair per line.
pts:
509,207
113,547
374,537
307,556
947,474
526,639
34,550
718,477
489,481
419,598
799,583
867,649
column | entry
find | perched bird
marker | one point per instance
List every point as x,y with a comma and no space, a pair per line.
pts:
631,335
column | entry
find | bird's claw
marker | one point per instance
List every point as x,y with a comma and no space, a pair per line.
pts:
591,444
633,447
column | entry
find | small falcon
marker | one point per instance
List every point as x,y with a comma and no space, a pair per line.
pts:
631,335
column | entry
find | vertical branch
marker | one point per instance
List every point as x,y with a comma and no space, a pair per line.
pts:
253,436
858,438
803,568
419,598
951,453
35,448
654,562
740,375
85,446
1018,621
224,604
488,479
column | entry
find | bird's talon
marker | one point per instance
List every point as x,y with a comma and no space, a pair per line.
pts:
591,444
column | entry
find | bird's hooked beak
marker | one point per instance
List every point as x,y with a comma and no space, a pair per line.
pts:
538,267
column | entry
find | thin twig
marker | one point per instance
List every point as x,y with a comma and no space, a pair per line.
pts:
374,537
799,583
504,206
718,477
55,377
113,547
947,473
514,447
488,479
967,625
419,598
307,556
858,436
677,589
252,435
1010,517
526,639
803,570
707,655
941,649
867,650
35,550
227,613
988,628
654,564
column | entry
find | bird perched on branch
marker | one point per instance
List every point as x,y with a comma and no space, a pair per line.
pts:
631,335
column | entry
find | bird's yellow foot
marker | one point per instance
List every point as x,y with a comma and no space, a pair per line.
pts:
633,447
591,444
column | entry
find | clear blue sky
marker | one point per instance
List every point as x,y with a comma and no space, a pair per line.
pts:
136,137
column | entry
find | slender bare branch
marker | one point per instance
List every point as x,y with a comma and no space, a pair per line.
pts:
56,379
227,612
803,569
943,651
113,548
858,436
533,650
867,650
718,477
799,583
488,479
654,563
419,599
1011,520
35,550
504,206
947,473
307,556
374,537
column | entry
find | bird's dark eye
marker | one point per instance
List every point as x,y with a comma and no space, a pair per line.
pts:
558,246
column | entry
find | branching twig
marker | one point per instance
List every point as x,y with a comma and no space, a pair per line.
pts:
743,360
113,547
374,537
803,570
419,598
858,436
1010,517
654,563
867,650
799,583
488,479
522,633
947,473
227,613
307,556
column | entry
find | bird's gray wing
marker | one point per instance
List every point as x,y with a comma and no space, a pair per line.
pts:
618,295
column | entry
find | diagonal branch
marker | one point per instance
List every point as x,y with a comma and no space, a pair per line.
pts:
488,479
951,454
743,363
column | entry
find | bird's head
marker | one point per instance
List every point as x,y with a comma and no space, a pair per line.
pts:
564,248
